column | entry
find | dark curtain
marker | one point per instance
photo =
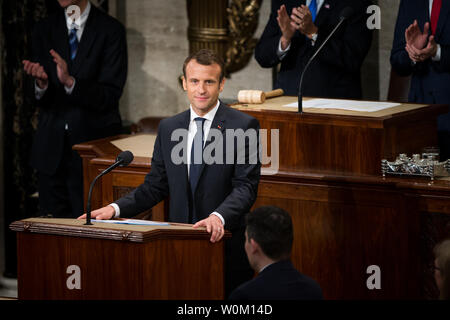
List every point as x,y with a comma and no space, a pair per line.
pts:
19,117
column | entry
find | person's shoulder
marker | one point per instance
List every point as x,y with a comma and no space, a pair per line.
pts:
175,121
237,117
249,290
306,287
108,22
47,23
309,288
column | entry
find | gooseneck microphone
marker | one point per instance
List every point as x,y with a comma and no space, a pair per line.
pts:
122,160
346,13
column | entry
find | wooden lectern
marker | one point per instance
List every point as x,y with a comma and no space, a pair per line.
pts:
64,259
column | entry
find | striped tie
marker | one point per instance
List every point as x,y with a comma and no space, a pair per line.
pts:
73,42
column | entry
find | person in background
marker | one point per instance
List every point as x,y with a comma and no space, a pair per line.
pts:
268,244
421,49
294,32
79,65
215,195
442,268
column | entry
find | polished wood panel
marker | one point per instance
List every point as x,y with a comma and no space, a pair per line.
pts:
348,144
116,263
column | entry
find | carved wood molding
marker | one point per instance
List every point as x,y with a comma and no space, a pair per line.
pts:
113,232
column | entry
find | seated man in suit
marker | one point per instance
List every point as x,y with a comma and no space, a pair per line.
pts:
421,49
297,28
211,194
269,237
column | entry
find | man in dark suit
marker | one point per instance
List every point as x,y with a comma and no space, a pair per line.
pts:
294,32
213,194
79,65
268,244
424,54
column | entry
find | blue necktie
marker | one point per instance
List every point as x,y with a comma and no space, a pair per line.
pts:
313,9
73,42
196,161
196,154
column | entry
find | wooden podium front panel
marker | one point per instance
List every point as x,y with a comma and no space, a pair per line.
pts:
340,231
159,269
344,225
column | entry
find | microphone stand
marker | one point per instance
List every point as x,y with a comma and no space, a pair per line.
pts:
300,94
88,205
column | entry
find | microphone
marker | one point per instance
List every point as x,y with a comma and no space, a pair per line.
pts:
346,13
122,160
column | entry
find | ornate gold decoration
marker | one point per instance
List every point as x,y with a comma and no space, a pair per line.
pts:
242,23
226,27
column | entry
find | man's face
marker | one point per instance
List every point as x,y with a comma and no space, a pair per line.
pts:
203,85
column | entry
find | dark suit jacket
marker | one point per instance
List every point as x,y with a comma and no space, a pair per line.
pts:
100,70
430,82
229,189
335,72
279,281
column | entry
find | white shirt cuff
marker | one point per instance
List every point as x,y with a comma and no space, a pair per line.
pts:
220,216
437,57
280,52
314,39
70,90
116,209
38,92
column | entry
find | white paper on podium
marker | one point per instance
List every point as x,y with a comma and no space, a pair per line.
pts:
351,105
133,222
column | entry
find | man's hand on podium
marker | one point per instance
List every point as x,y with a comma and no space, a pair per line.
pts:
213,226
104,213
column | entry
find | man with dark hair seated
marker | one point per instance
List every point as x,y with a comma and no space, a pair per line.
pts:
269,237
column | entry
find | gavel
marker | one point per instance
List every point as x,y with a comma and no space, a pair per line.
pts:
257,96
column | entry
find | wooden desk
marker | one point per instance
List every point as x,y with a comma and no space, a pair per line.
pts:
346,216
342,141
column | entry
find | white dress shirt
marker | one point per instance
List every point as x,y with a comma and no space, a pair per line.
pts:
192,130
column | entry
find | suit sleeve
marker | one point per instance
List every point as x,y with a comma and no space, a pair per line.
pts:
245,182
400,61
238,294
154,189
444,64
266,48
347,48
38,53
105,91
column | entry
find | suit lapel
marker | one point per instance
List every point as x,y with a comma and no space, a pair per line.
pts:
443,14
324,11
87,40
217,124
60,41
183,123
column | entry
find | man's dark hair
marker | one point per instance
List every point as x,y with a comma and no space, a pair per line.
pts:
271,227
205,57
